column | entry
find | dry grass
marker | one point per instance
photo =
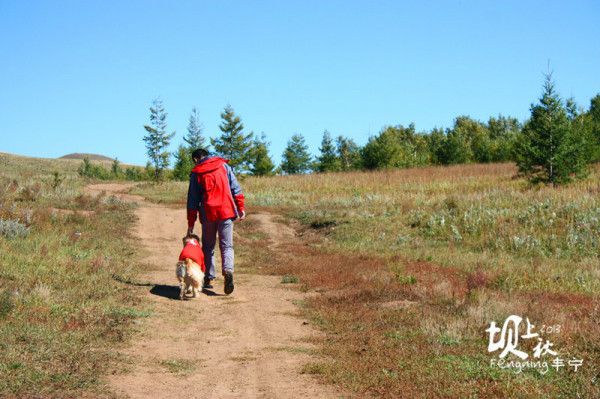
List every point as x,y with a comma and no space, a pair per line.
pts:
61,311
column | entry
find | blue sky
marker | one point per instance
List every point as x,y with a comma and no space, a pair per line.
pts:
79,76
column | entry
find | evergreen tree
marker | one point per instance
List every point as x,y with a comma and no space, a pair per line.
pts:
115,169
157,139
348,154
233,144
296,158
262,164
194,137
550,150
134,173
592,121
183,163
149,171
328,160
88,169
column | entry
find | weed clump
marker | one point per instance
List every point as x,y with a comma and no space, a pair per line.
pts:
13,228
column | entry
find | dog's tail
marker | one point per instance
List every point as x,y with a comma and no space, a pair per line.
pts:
193,270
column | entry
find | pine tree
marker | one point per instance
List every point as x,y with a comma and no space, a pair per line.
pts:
296,158
149,171
550,149
183,163
157,139
328,160
592,121
194,137
233,144
262,164
115,169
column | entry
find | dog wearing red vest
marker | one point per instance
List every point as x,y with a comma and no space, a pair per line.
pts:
190,268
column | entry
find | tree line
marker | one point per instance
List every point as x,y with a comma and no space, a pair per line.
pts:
555,145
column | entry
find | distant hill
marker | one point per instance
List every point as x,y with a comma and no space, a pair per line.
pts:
91,157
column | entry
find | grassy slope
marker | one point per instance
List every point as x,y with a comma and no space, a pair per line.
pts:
465,245
61,311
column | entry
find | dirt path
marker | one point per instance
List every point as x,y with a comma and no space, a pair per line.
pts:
246,345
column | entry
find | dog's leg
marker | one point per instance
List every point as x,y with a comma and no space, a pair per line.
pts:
181,290
193,292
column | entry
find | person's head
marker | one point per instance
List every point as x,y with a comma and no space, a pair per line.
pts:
199,154
189,237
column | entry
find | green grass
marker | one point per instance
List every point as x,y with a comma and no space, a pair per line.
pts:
314,369
62,314
178,366
289,279
168,192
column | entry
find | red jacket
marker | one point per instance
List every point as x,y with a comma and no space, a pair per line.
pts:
222,197
193,251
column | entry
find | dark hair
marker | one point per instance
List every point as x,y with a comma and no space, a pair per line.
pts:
194,236
199,153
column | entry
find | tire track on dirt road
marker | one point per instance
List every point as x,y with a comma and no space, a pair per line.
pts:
246,345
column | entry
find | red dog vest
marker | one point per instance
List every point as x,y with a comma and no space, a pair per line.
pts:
193,251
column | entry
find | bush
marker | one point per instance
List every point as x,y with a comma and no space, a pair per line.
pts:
13,228
395,147
88,169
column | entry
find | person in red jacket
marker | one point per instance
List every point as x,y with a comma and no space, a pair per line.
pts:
215,194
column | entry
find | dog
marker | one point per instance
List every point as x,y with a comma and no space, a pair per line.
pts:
190,277
190,267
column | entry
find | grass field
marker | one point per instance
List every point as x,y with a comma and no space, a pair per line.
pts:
411,267
414,264
62,313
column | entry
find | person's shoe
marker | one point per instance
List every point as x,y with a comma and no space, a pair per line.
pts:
206,284
228,283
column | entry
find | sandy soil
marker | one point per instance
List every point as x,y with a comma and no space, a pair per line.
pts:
247,345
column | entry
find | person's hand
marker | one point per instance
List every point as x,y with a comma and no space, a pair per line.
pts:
190,231
242,216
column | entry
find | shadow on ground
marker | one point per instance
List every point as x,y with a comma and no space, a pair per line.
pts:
166,291
172,291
